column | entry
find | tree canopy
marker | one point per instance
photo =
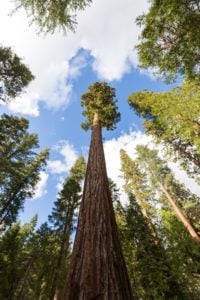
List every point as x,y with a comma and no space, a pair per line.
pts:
16,258
100,98
53,14
170,38
173,118
14,74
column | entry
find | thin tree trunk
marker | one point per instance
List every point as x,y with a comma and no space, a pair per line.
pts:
97,270
63,249
25,278
180,215
55,295
149,223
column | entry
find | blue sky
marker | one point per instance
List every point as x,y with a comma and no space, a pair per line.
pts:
101,49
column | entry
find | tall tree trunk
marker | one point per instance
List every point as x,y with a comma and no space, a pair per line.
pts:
97,270
180,215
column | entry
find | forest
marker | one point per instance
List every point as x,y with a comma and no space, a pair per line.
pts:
93,245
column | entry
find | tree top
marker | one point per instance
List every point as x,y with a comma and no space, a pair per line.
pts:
100,99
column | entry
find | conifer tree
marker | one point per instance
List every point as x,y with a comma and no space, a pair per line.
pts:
38,285
162,178
16,259
135,180
97,269
169,42
62,219
173,118
177,261
14,74
150,270
52,15
20,166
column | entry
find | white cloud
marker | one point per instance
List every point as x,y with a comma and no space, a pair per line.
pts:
112,147
106,29
41,187
60,182
27,106
183,177
56,166
69,156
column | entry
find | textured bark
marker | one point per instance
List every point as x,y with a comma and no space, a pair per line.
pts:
97,270
180,215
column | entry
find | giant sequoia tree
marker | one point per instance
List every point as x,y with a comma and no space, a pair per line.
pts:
97,268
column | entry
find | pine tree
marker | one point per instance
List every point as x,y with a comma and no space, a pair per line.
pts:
162,178
42,273
20,166
136,180
150,270
173,118
14,75
97,269
177,261
62,219
16,259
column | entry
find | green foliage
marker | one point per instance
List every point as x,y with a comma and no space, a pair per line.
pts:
69,197
100,98
173,118
171,251
169,41
35,263
63,219
16,258
53,14
14,75
38,285
20,166
136,180
158,171
182,252
149,270
78,170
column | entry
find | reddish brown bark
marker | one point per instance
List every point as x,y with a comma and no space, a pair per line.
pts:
181,215
97,270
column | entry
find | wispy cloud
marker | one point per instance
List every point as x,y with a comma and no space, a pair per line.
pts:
68,157
41,187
